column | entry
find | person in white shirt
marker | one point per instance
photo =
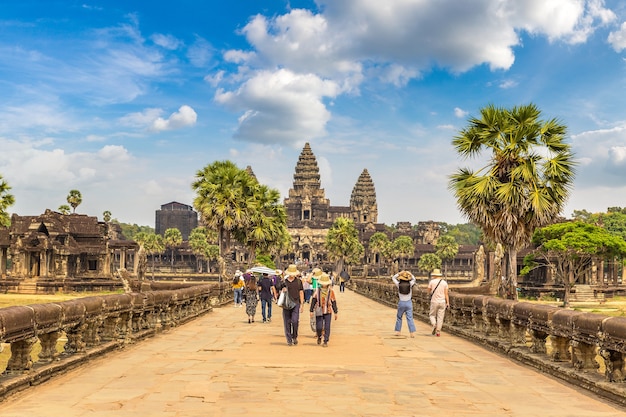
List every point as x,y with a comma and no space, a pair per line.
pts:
439,300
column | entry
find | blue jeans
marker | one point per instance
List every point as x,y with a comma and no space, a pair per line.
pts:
405,308
238,298
290,320
269,309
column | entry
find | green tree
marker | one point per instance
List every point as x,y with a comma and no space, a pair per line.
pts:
6,201
377,244
446,249
569,249
106,216
463,234
172,239
524,185
64,209
152,244
129,231
224,200
342,243
403,248
74,198
428,262
199,241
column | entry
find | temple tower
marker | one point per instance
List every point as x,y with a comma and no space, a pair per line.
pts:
307,202
363,205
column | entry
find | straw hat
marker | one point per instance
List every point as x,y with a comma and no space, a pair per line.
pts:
292,270
405,276
316,273
324,280
237,273
436,273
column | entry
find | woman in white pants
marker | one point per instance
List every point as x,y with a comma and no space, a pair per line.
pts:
439,301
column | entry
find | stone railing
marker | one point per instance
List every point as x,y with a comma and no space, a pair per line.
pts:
69,333
584,349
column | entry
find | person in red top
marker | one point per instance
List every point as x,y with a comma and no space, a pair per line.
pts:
323,304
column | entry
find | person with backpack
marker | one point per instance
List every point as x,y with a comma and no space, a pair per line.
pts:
405,281
238,284
323,304
439,300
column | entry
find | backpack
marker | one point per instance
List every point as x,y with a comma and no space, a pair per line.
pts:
404,287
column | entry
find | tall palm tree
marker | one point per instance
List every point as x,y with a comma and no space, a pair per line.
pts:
446,249
64,209
74,198
106,216
524,185
6,201
224,197
152,244
342,243
377,244
403,248
172,238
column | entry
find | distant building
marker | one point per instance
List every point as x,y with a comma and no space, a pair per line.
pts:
176,215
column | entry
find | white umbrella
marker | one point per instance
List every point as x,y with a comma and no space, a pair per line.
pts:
263,270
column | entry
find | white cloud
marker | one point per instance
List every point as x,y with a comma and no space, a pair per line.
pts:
200,53
460,113
114,153
184,117
617,39
166,41
280,107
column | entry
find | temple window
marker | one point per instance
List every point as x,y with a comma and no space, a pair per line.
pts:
306,215
92,264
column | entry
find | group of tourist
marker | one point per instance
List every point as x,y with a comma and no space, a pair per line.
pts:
292,289
439,300
287,289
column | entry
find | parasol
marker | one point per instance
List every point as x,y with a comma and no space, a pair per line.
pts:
262,269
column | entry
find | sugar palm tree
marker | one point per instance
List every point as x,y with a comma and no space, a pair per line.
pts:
74,198
224,198
525,183
403,247
342,243
151,243
6,201
446,249
64,209
172,238
377,244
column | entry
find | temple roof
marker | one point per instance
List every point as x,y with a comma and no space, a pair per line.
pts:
363,193
307,172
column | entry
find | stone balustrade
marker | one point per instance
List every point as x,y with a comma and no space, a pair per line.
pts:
585,349
92,326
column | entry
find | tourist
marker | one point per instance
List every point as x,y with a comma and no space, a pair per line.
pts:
404,281
343,278
323,304
267,293
251,292
439,301
316,273
306,284
238,284
292,285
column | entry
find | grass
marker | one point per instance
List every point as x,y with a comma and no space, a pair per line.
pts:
8,300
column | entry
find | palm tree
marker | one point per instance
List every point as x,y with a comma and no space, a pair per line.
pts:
74,198
342,243
224,197
64,209
377,244
525,183
106,216
6,201
152,244
403,247
172,238
428,262
446,249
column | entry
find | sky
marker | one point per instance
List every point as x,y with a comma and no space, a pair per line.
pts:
126,101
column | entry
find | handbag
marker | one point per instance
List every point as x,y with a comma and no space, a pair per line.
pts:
281,299
288,304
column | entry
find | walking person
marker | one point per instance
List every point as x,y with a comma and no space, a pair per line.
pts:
404,281
238,284
323,304
306,284
292,285
267,294
439,300
251,292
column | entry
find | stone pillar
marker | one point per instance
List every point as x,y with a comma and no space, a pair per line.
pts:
123,258
3,262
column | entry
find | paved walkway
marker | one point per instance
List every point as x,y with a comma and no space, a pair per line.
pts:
219,365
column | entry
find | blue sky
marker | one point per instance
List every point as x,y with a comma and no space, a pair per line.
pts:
127,100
